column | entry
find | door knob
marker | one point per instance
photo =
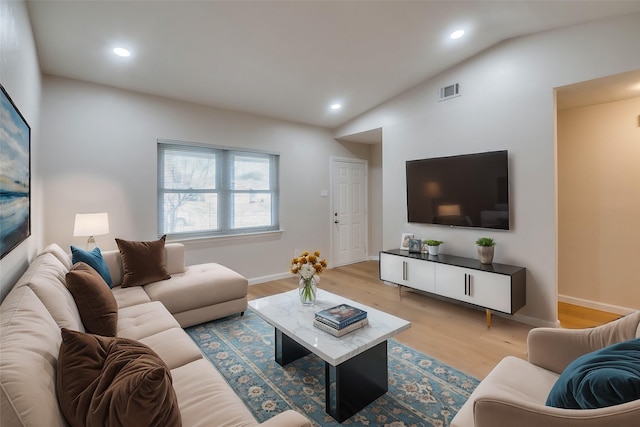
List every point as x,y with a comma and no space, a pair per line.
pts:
336,222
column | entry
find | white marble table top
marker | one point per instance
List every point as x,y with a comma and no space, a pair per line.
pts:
285,312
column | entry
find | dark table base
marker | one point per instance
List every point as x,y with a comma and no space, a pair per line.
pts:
349,386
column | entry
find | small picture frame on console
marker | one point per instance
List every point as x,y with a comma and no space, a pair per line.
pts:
404,243
415,245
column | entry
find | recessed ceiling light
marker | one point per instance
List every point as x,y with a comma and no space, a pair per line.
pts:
336,106
120,51
457,34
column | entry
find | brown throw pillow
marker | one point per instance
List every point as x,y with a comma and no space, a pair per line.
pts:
113,382
143,262
95,301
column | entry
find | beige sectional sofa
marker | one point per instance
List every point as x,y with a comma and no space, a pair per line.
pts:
39,305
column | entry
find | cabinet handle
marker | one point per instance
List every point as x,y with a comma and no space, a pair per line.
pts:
465,283
404,270
469,286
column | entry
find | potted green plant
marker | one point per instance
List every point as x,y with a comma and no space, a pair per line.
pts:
433,245
485,249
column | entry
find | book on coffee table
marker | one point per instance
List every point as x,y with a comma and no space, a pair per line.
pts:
340,332
340,316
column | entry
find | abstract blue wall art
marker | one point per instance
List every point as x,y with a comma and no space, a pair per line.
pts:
15,176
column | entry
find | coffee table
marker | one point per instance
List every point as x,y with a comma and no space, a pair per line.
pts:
355,364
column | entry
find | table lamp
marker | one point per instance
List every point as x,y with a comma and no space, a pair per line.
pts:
93,224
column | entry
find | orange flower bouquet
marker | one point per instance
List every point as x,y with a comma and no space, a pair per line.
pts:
308,266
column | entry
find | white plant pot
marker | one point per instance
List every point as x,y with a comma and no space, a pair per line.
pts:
433,250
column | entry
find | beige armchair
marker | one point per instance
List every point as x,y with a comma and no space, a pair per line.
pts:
515,391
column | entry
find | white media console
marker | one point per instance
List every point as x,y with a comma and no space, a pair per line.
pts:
497,287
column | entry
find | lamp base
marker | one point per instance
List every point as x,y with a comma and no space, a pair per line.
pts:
91,243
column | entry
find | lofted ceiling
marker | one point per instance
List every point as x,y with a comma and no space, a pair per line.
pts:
284,59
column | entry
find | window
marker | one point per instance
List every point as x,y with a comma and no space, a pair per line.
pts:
208,191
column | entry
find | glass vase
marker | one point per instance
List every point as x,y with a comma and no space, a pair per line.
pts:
307,289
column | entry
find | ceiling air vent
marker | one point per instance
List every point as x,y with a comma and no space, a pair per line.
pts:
450,91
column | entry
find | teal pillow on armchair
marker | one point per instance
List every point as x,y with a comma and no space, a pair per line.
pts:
606,377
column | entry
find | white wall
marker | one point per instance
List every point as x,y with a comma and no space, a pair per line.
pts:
20,76
507,102
99,155
375,200
599,204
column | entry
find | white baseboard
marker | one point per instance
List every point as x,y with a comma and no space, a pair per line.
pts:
596,305
533,321
374,258
263,279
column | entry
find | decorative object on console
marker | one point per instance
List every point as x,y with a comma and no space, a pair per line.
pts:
404,243
485,249
308,266
415,246
15,176
92,224
433,246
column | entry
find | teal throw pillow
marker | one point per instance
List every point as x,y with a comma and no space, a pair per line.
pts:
94,259
606,377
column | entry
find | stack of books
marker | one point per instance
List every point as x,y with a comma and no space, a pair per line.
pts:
340,320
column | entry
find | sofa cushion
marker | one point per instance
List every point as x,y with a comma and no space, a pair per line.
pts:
126,297
208,284
59,253
206,399
94,259
29,345
606,377
46,277
174,346
104,381
143,320
96,304
143,262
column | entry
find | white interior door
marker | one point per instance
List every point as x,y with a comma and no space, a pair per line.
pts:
349,193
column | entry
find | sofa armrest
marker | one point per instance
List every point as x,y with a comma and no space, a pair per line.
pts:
288,418
553,349
174,258
501,412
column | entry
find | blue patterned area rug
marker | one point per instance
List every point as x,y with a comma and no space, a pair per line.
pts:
422,391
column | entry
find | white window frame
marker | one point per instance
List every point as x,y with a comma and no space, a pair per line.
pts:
224,174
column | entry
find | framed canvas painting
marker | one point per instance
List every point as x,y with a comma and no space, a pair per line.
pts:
15,175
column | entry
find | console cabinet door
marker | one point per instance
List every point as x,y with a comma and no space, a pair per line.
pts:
404,271
452,282
481,288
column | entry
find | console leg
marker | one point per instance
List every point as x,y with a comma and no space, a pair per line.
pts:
488,318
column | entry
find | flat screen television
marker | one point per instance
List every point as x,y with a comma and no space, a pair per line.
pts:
470,190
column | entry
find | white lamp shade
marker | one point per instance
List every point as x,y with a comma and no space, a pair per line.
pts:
94,224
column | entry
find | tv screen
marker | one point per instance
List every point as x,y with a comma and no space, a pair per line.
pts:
470,190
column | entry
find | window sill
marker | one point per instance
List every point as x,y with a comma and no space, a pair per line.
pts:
227,237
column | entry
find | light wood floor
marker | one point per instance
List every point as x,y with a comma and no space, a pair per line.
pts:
574,316
456,335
